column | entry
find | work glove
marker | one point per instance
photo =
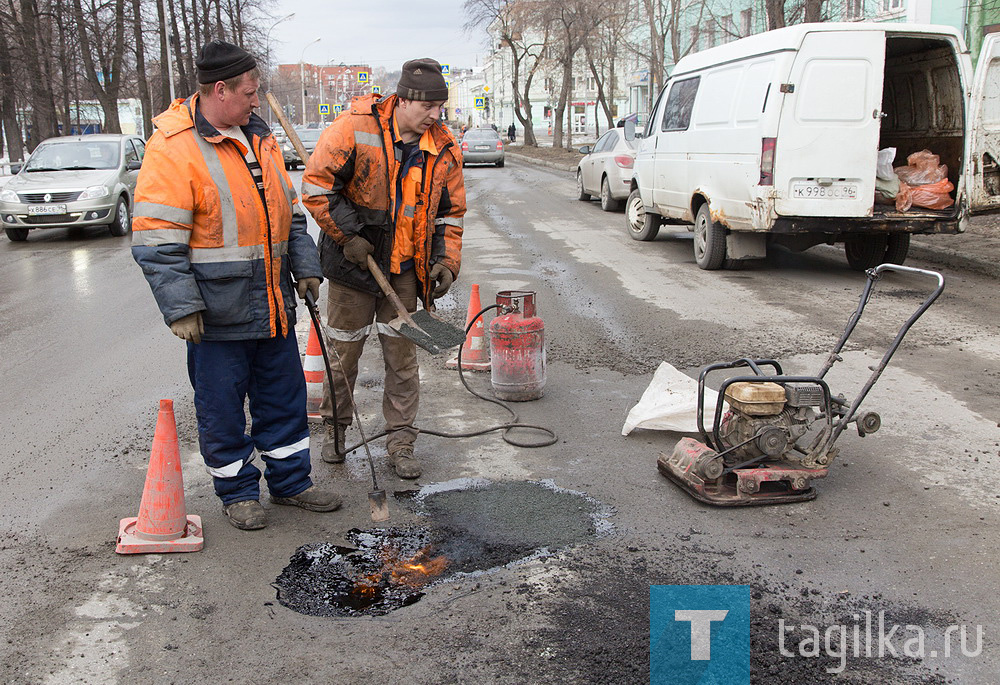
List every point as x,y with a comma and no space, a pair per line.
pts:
309,284
356,250
189,328
442,278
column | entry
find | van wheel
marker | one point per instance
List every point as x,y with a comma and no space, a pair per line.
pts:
608,203
642,225
709,240
581,194
897,245
864,251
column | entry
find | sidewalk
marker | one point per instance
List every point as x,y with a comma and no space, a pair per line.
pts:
978,249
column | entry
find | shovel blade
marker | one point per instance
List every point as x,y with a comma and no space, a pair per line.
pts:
379,505
429,332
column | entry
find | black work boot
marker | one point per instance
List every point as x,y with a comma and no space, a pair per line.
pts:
311,499
246,515
404,463
332,444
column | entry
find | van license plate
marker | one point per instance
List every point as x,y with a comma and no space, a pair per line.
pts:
814,191
35,210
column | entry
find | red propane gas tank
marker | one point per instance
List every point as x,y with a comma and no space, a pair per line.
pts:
517,348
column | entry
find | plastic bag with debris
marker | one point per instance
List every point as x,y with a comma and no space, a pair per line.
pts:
670,403
883,168
922,168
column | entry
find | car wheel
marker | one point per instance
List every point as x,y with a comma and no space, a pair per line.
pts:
581,194
864,251
897,245
608,203
17,234
500,163
122,223
642,225
709,240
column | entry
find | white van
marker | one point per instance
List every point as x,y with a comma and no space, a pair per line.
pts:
773,139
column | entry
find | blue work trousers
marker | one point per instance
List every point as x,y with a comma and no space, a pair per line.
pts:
269,372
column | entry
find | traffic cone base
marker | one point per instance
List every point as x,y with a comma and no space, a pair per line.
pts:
129,541
162,524
475,354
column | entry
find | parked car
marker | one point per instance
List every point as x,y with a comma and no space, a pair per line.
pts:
606,169
309,138
482,146
74,181
774,139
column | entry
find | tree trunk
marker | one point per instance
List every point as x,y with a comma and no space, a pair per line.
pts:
140,69
175,43
107,96
43,109
775,13
557,115
813,11
8,105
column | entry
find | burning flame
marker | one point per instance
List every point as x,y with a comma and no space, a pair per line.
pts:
414,572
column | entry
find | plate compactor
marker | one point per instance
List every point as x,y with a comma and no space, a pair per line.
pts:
779,432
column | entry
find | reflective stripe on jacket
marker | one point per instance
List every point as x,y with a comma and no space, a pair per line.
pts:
205,239
349,184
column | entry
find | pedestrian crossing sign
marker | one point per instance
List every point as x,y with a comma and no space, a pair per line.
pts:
479,103
376,89
445,69
362,77
324,109
337,109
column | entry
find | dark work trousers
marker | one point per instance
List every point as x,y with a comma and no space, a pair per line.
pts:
269,372
350,314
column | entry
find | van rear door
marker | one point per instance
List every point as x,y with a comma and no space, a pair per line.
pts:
828,131
983,179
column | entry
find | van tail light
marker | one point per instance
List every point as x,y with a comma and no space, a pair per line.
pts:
499,145
624,161
767,161
465,147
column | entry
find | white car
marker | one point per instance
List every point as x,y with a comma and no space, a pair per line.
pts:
606,169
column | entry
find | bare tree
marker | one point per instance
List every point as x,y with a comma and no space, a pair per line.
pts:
105,72
571,21
603,53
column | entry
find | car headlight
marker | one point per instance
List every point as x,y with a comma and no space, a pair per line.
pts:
287,147
94,192
9,196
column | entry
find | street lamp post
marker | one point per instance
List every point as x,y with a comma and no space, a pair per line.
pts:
302,78
267,50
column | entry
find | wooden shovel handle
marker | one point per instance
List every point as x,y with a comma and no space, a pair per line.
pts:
289,129
389,292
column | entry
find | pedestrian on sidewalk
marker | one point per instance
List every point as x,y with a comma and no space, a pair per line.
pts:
219,234
405,208
511,133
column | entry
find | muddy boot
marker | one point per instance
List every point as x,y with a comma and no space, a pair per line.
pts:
246,515
331,445
311,499
404,463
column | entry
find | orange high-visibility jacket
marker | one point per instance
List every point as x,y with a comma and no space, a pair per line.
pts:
207,239
349,187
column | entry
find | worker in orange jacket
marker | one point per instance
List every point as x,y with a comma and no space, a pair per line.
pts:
386,181
219,235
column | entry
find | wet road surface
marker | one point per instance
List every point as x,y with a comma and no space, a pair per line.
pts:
905,523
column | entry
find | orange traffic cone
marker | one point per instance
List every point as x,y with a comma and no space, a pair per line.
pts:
314,370
162,524
475,354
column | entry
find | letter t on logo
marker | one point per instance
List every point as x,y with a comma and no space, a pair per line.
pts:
701,630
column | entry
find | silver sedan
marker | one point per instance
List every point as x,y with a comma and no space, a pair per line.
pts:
482,146
606,169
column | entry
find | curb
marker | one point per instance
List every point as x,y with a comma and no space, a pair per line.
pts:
541,162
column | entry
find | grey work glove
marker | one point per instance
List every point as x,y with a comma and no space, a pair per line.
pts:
189,328
356,250
310,284
442,278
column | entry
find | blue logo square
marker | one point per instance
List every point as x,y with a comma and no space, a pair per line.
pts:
699,634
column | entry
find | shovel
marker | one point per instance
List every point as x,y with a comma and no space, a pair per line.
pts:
424,328
376,498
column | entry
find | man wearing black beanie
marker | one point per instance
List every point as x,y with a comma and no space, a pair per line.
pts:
404,207
219,234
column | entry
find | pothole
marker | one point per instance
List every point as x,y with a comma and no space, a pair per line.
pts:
472,527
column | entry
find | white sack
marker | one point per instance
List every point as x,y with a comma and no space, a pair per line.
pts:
883,167
670,403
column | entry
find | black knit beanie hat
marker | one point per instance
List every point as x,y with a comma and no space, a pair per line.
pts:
422,80
220,61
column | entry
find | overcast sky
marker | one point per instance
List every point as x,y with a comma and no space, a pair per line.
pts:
380,33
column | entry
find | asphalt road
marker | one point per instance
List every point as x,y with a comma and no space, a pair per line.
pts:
904,524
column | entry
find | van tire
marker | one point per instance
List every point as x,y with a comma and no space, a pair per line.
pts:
581,194
897,245
864,251
608,203
709,240
641,225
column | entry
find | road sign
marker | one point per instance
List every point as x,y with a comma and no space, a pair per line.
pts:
337,109
445,69
458,110
486,89
324,109
362,77
479,103
376,89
